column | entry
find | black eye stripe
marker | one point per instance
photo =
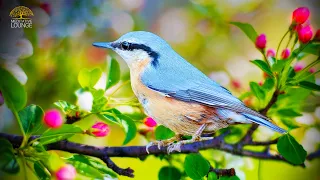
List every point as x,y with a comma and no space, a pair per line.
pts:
127,46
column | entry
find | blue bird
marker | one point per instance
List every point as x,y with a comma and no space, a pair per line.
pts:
176,94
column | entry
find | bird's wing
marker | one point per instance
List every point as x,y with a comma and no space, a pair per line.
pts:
193,86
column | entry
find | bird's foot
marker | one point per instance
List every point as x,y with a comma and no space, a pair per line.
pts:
163,143
177,146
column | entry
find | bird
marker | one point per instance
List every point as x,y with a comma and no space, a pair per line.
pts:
176,94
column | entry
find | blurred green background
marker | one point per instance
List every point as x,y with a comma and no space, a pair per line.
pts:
63,32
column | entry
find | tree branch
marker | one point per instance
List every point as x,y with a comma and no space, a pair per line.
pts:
223,172
140,151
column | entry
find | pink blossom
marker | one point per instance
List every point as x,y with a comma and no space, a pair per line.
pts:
312,70
298,66
67,172
1,98
285,53
53,119
305,34
100,129
271,53
261,41
300,15
148,121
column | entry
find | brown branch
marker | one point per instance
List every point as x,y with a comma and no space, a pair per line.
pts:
140,151
223,172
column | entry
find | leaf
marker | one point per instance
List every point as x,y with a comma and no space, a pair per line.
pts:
99,100
212,176
289,112
309,85
263,66
163,133
257,90
196,166
229,178
8,161
268,84
291,150
31,118
40,171
85,169
129,127
113,71
279,65
13,92
64,132
65,106
169,173
88,78
290,123
312,49
247,29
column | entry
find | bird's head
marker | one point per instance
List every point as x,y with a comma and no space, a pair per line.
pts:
137,45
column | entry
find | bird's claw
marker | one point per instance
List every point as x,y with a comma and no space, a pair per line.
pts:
158,143
174,147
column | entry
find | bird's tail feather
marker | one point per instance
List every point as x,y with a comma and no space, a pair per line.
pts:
264,122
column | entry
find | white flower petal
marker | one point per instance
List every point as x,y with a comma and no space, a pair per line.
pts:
25,48
85,100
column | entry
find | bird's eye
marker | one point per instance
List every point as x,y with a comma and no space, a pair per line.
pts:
125,45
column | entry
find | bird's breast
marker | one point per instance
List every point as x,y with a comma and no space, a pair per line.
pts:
181,117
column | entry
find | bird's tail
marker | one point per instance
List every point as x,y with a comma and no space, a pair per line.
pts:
264,122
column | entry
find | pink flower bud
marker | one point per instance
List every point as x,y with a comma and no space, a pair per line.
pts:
317,36
260,83
298,66
1,99
261,41
285,53
53,119
235,84
67,172
305,34
100,129
271,53
148,121
312,70
300,15
46,7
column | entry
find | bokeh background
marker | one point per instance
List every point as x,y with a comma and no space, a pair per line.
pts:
48,57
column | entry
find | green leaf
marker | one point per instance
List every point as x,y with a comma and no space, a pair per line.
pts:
64,132
309,85
257,90
163,133
169,173
312,49
113,71
129,127
196,166
289,112
212,176
8,161
290,123
99,101
13,92
263,66
41,172
229,178
88,78
268,84
291,150
65,106
31,118
247,29
279,65
85,169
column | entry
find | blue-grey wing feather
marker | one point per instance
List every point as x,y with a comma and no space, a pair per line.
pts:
192,86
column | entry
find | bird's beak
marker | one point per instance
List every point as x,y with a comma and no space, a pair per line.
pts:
103,45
